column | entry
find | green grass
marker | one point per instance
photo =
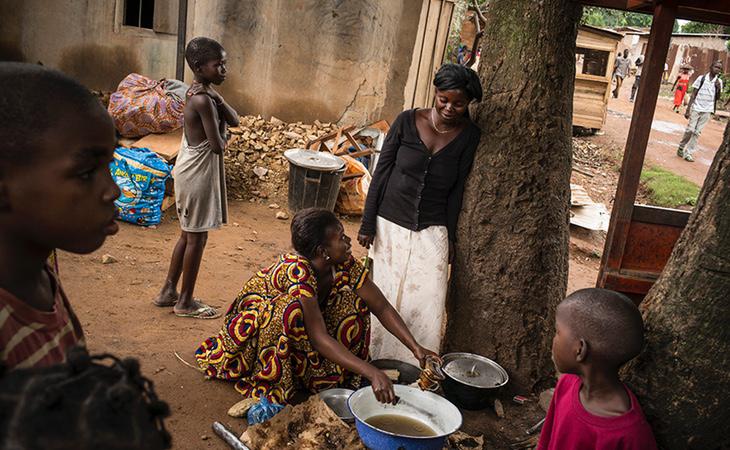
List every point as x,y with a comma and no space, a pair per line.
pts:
668,189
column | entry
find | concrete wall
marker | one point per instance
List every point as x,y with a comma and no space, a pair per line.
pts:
330,60
85,39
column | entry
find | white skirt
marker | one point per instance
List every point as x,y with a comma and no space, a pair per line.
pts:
411,268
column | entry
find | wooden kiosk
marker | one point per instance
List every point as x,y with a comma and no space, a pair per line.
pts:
595,53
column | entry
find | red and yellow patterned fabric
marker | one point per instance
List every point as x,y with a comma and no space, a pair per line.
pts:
263,345
141,106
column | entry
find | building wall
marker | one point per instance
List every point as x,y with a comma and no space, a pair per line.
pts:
85,39
696,51
306,59
330,60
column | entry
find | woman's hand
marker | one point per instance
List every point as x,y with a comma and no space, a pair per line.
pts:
421,353
382,386
366,240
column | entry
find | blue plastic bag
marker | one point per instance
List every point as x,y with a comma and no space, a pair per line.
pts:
263,411
140,174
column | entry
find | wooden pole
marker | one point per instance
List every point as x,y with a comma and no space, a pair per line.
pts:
182,24
638,138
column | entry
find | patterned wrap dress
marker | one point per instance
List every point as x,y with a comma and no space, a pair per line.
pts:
263,345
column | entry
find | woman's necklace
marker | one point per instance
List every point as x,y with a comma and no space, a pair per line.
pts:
433,124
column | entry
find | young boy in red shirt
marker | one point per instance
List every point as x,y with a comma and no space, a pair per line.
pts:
56,191
596,332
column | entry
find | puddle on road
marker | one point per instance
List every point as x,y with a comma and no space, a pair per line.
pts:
667,127
659,125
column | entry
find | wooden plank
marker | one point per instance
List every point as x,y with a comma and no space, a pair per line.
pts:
627,284
648,247
166,145
660,216
412,81
426,72
638,136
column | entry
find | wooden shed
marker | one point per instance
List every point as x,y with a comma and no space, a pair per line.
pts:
595,53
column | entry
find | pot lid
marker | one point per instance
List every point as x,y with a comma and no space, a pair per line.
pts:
324,161
474,370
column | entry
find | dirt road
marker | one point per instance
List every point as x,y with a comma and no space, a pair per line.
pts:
667,130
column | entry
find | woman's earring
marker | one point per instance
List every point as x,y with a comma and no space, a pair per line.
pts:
327,257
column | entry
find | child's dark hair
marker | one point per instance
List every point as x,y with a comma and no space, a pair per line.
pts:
455,76
32,100
82,404
609,321
200,50
309,229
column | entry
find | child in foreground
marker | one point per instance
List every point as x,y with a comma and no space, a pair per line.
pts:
56,191
596,332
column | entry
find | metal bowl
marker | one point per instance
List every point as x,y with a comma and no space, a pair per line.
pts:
472,381
336,399
433,410
408,372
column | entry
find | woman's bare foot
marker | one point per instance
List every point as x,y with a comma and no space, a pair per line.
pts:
168,297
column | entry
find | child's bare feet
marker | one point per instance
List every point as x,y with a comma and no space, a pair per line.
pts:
198,310
168,297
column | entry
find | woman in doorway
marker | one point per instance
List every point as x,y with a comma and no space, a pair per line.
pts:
413,205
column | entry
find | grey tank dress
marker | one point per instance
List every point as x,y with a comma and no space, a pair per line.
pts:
200,188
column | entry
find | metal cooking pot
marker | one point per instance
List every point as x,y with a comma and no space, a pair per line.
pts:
472,381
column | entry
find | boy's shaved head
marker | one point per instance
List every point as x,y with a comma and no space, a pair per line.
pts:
32,100
608,321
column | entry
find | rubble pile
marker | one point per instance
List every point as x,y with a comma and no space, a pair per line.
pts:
255,165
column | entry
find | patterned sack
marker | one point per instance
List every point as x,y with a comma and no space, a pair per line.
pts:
353,191
141,106
140,174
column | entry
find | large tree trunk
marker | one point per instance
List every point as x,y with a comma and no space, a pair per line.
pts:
683,376
511,266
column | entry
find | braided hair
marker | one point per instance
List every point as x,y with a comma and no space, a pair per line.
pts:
89,402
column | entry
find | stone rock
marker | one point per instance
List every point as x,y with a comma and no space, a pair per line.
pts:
282,215
499,409
241,408
545,397
108,259
260,171
274,206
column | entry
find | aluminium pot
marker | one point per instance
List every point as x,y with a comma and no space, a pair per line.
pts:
472,381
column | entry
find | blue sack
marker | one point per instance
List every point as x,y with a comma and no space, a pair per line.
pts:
140,174
263,411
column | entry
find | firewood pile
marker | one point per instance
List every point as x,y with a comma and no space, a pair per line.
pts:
256,169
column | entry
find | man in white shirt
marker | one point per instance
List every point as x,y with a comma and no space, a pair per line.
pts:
706,92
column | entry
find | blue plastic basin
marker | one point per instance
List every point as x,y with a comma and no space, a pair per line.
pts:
435,411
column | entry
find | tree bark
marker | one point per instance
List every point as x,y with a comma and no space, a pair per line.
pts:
682,377
511,265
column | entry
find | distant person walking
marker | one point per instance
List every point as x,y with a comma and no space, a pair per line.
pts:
680,87
635,86
621,70
706,92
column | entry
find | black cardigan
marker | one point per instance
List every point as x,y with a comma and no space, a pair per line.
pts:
416,189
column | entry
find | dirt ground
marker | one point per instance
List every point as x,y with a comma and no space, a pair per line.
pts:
113,302
667,130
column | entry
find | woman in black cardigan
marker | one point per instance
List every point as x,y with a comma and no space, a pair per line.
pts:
413,206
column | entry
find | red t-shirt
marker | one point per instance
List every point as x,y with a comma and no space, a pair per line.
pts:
34,338
569,426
